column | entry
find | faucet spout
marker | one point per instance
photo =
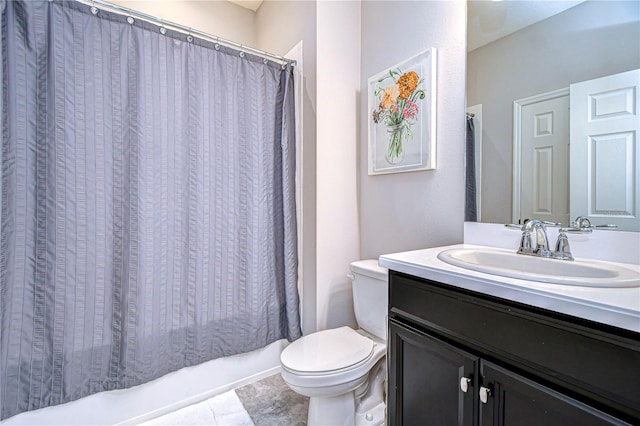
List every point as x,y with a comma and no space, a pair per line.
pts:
541,247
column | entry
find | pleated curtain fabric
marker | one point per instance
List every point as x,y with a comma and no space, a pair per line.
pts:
470,205
148,203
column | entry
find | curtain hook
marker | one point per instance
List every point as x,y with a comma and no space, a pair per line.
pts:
94,9
163,30
130,20
241,51
217,45
189,36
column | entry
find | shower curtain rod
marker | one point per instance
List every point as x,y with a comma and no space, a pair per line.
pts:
184,29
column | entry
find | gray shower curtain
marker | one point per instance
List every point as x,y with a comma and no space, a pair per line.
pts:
147,217
470,205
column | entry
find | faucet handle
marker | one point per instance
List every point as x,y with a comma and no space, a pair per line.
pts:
562,251
513,226
525,242
519,226
577,230
552,224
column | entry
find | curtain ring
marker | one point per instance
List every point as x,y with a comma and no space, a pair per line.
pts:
163,30
130,20
217,45
94,9
189,36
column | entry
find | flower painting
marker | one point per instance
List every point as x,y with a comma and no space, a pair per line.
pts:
402,116
398,109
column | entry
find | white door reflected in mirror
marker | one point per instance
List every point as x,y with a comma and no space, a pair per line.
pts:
605,150
541,158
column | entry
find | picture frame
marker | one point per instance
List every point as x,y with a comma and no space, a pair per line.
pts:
401,114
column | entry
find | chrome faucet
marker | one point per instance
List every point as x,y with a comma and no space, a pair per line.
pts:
542,241
541,248
537,227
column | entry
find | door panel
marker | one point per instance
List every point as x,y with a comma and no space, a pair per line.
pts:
545,160
605,152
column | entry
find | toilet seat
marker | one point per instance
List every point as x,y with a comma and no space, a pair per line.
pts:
327,352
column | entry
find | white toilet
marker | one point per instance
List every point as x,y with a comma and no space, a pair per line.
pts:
343,370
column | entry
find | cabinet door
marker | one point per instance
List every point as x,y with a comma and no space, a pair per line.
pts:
425,377
515,400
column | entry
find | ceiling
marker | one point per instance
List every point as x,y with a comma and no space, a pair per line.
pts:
488,21
248,4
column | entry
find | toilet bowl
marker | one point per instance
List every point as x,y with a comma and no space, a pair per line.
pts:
342,370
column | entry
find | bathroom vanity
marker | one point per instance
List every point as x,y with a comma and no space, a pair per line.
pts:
470,348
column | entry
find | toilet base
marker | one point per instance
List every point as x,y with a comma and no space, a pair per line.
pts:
339,411
371,405
335,410
362,406
372,417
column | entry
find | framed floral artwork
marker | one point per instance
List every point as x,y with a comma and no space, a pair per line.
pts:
402,116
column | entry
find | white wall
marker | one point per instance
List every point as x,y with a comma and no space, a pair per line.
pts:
220,18
331,37
591,40
415,210
338,83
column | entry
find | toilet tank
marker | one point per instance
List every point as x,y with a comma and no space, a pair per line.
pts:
370,296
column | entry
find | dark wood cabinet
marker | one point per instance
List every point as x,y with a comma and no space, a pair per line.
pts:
427,373
515,400
462,358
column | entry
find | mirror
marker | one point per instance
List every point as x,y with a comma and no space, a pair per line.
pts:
518,50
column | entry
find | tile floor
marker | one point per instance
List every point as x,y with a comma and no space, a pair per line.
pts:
266,402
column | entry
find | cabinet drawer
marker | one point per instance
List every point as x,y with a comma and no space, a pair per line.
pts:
593,364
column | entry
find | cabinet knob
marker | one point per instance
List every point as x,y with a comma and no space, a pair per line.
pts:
464,384
485,393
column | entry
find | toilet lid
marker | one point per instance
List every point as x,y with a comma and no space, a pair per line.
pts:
327,350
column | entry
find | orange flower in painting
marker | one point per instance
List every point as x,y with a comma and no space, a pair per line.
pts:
407,83
390,96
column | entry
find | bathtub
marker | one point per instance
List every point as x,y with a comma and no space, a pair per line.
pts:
160,396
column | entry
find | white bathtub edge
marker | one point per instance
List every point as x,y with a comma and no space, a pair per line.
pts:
200,397
168,393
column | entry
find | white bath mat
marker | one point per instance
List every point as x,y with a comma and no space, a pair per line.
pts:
228,410
221,410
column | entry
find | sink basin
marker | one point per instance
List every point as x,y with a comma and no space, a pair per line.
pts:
505,263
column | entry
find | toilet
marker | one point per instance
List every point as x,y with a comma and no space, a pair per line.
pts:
343,370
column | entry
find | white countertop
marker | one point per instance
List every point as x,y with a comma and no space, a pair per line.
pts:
618,307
